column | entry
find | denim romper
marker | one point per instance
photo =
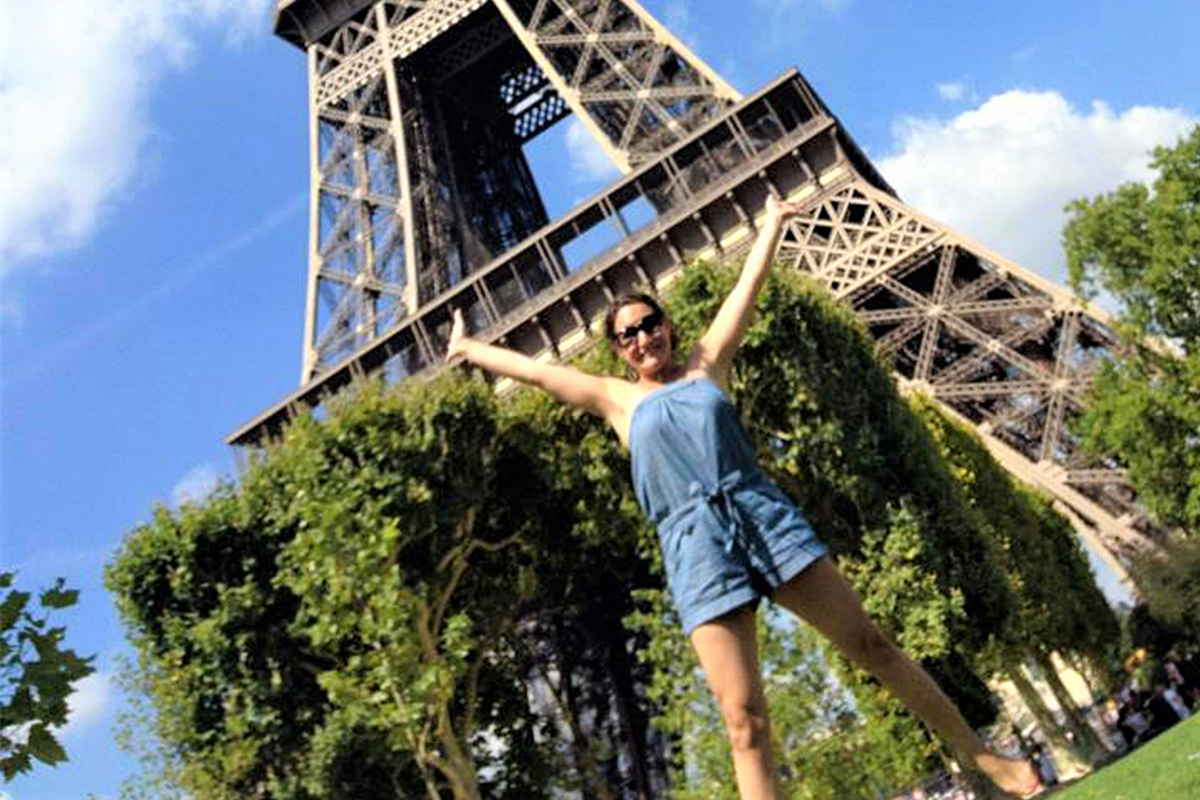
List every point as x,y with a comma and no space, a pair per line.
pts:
729,536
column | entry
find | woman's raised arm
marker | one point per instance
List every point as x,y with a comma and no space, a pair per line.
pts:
566,384
716,348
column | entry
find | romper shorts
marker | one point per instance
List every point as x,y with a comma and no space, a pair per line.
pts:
732,544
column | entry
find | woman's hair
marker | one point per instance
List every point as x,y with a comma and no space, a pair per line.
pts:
610,318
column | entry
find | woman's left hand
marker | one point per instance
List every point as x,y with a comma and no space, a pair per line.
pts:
781,209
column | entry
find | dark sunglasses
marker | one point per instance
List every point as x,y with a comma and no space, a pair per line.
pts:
647,324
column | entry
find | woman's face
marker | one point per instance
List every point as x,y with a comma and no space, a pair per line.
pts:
643,339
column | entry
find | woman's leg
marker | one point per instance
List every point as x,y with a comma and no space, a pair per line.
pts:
728,651
821,597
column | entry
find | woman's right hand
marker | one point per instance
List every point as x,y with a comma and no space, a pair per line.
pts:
458,336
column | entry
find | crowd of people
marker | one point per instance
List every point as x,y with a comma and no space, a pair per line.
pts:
1140,714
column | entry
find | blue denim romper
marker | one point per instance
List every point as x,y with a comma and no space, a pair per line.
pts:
729,536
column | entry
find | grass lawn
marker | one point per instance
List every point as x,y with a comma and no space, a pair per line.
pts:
1166,768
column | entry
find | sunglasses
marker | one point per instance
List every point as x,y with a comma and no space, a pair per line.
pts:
647,324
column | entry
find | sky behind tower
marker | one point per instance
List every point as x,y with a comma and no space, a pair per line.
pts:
153,196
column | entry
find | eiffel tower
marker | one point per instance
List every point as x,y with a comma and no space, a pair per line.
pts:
422,201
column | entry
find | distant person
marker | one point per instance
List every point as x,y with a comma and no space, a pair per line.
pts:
1134,720
1173,697
1174,675
1044,764
1125,727
1162,713
1189,670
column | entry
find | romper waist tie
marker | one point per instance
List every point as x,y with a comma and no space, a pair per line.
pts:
719,501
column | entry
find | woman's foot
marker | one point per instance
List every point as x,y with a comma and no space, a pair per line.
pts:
1014,776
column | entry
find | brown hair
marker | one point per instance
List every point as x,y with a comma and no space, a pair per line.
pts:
610,318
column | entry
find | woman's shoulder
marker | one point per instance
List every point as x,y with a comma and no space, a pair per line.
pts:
706,376
697,367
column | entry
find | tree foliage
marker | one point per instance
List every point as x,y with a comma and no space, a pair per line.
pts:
433,592
36,673
1142,245
364,615
1057,605
1171,585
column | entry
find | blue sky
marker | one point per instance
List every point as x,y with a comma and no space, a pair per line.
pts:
153,187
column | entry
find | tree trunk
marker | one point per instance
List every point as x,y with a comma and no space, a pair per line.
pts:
564,695
1089,742
1084,667
1062,749
461,772
633,719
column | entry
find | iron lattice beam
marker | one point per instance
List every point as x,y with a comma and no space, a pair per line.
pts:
423,202
420,110
699,197
999,346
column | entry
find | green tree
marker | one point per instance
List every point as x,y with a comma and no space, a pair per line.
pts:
424,592
36,673
1172,586
1169,614
410,597
395,587
574,632
306,634
1142,245
1058,608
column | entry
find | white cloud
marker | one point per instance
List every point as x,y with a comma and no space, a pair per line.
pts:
178,276
88,704
779,6
954,90
783,21
195,486
677,17
75,87
12,311
1002,173
589,162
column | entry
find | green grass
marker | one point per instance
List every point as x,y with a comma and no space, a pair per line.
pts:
1167,768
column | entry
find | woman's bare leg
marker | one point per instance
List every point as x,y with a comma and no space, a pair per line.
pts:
728,651
822,598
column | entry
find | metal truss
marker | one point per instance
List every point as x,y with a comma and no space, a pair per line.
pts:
419,111
999,346
638,88
543,295
423,202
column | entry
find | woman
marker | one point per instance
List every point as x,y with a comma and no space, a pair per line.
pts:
729,536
